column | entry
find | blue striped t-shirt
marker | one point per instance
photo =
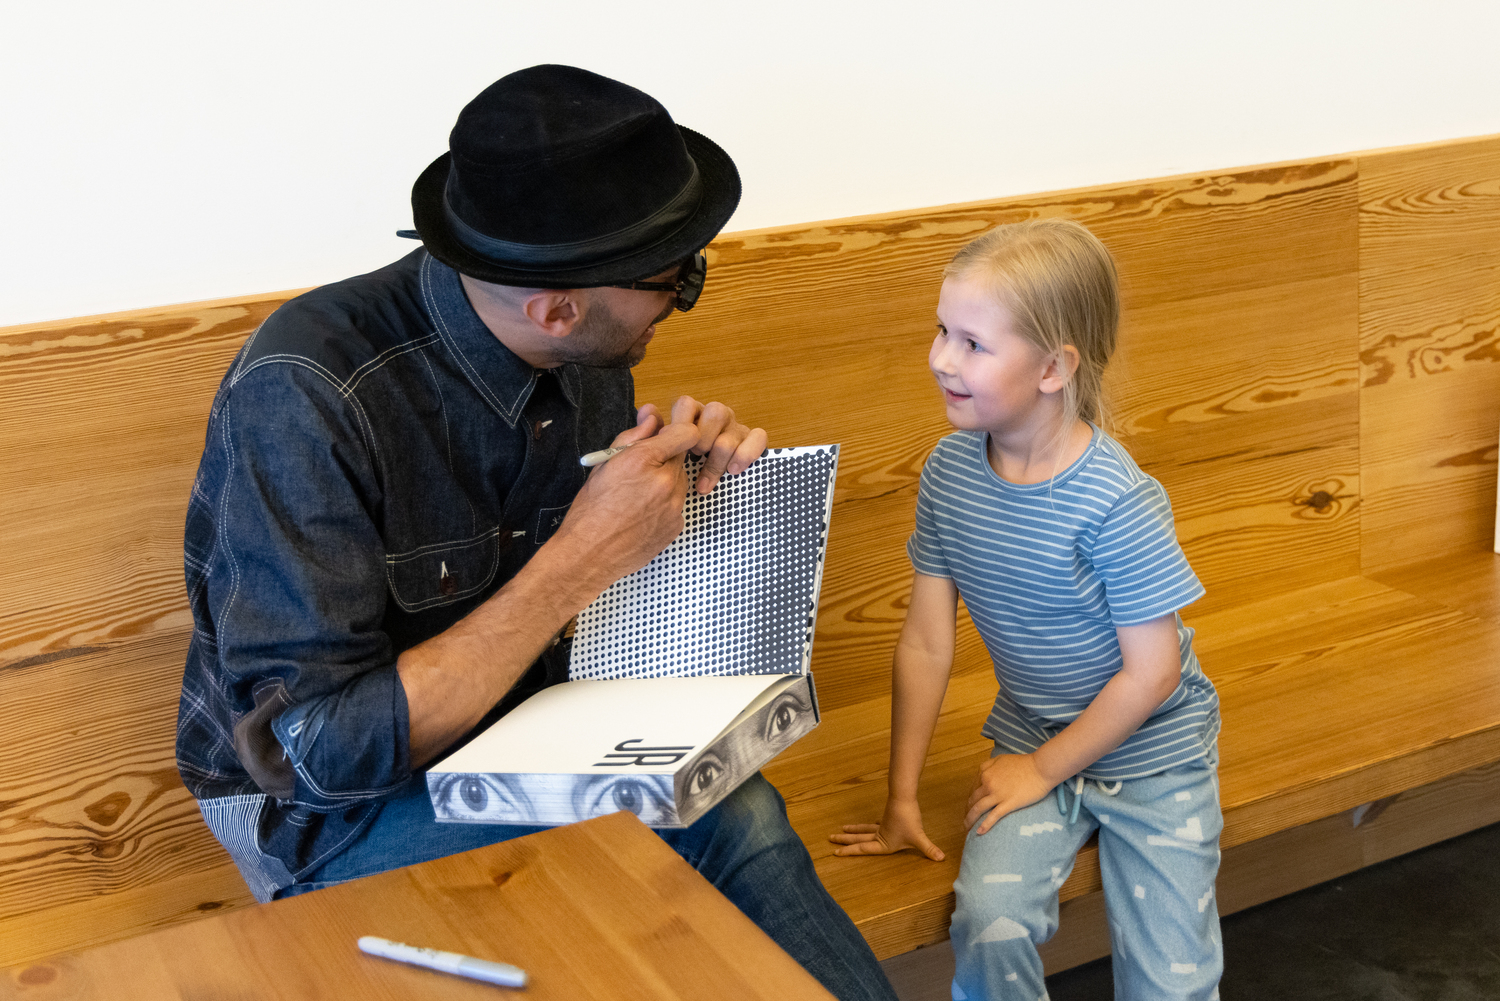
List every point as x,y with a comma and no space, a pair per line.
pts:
1048,570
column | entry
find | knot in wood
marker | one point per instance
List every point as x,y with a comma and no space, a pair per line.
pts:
1320,501
35,976
107,810
108,849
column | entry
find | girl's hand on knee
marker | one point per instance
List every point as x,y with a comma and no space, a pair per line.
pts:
900,828
1007,783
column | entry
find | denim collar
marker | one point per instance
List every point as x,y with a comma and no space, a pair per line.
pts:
504,380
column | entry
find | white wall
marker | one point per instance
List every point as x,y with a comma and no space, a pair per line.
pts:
164,151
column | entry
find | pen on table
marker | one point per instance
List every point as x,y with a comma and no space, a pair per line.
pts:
446,962
602,456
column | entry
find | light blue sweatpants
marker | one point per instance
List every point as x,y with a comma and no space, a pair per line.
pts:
1158,854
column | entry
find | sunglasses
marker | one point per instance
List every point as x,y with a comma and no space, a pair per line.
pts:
688,286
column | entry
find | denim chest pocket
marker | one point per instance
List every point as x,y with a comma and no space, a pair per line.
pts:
548,519
444,572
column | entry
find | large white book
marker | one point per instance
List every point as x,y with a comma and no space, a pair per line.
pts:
685,677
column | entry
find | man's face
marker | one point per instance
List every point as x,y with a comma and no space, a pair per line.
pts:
618,324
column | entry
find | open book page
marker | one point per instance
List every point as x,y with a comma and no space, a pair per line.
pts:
736,593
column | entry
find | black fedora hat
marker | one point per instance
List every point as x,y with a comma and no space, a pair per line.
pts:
561,178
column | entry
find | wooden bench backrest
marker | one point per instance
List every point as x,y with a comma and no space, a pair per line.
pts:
1308,363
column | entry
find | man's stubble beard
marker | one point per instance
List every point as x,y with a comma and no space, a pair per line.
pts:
597,340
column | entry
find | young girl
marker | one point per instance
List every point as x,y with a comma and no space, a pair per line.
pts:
1064,553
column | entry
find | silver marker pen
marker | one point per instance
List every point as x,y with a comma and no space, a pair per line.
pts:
602,456
445,962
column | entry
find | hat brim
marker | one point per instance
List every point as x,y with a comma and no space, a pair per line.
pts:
721,194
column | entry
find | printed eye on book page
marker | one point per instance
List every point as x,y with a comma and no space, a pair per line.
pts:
685,677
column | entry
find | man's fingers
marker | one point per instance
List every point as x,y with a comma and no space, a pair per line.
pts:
670,442
686,410
748,451
649,416
729,447
736,448
714,420
715,464
647,423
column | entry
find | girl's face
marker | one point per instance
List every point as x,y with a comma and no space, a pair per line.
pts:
992,378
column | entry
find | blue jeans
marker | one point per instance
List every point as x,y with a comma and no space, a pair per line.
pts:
744,846
1158,856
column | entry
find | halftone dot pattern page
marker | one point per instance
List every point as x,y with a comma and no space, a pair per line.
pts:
735,593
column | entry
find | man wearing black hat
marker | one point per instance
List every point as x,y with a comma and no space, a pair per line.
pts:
390,527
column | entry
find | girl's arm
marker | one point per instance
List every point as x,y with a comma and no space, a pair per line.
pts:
1151,673
919,679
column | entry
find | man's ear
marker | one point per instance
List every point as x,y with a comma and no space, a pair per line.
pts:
1059,369
553,312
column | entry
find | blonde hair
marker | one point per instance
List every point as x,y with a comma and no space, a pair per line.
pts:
1060,285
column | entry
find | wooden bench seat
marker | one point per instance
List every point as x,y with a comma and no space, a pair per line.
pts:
1334,696
1310,364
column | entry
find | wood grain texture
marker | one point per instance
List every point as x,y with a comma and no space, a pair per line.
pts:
1429,232
1467,581
99,440
1253,496
1307,363
1409,681
818,333
601,909
1240,303
86,922
98,837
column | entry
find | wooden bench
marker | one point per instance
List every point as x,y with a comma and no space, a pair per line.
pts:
1311,365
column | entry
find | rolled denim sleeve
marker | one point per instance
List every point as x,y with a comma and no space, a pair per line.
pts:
297,591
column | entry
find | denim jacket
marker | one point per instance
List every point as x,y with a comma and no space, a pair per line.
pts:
377,464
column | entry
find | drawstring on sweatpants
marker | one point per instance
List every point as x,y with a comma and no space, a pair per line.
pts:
1078,780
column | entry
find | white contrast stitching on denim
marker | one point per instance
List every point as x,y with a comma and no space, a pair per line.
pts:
379,361
441,599
434,313
439,547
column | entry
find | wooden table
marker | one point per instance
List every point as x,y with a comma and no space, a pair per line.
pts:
600,909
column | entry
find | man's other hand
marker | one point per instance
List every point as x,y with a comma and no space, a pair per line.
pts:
730,447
